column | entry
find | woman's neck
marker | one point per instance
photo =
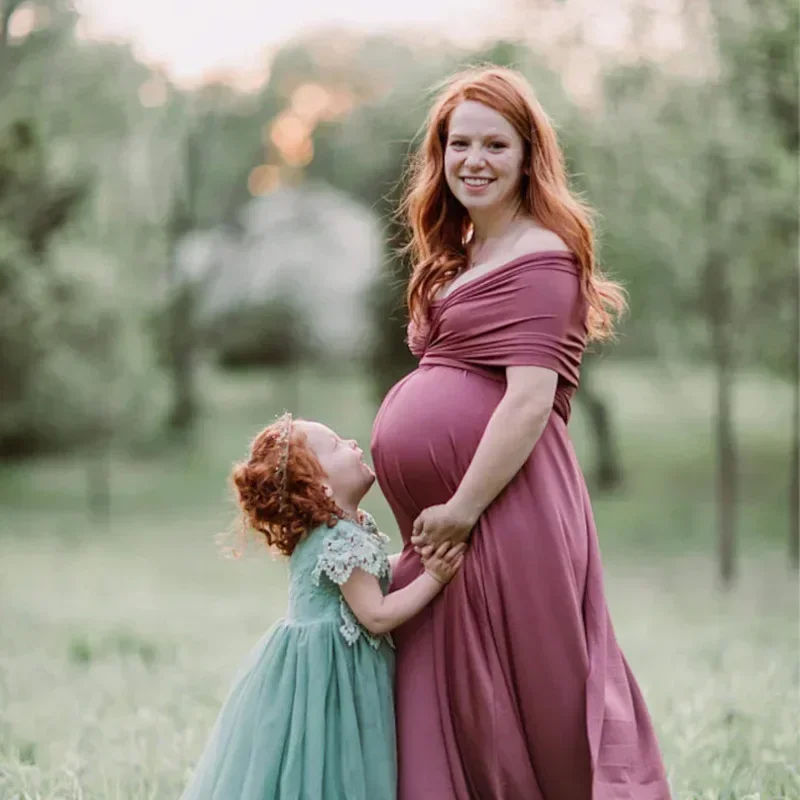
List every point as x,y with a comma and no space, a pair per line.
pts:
490,228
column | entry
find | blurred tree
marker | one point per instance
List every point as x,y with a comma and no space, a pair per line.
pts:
34,298
759,47
181,334
697,180
198,154
70,288
364,154
750,282
34,206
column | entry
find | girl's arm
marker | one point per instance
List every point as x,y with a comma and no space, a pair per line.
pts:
507,442
380,614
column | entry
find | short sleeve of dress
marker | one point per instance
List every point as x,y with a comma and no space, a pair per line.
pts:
347,547
546,321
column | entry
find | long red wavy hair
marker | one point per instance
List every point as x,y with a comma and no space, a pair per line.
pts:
440,226
305,504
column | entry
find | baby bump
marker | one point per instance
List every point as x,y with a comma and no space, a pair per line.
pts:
426,433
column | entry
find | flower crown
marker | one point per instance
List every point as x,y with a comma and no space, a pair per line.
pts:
283,440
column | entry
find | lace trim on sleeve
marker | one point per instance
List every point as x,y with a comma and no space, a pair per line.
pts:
348,547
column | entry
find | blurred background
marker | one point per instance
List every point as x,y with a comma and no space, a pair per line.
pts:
196,232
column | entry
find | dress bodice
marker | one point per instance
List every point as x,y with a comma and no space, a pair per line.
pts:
530,311
323,561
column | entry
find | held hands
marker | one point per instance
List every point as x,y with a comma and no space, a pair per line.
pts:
442,564
438,525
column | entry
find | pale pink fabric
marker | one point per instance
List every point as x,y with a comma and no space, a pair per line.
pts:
510,685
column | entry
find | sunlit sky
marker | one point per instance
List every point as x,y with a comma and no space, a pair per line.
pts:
192,38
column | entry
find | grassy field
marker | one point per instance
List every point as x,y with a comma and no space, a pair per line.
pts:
117,642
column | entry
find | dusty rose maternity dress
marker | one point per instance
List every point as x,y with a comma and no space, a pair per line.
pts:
511,684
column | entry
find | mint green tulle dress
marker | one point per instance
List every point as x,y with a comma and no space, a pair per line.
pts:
310,715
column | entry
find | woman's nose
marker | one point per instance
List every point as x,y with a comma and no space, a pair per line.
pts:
474,158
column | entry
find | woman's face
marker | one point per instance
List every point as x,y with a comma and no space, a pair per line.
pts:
483,158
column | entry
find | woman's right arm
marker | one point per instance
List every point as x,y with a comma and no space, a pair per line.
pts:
380,613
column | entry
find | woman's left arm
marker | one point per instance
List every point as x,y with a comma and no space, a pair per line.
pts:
507,442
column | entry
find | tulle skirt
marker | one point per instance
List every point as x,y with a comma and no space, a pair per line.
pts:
308,716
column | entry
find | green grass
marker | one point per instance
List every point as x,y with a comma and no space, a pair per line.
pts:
118,642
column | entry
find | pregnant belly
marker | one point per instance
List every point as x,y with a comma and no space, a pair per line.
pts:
426,433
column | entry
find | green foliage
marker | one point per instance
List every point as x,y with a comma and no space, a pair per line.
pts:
681,167
36,301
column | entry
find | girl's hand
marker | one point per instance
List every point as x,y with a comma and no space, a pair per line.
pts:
442,564
437,525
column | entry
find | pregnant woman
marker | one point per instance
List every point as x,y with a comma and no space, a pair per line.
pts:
511,685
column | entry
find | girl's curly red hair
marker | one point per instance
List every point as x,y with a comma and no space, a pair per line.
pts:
304,506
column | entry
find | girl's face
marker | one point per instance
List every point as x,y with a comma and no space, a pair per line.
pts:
342,460
483,158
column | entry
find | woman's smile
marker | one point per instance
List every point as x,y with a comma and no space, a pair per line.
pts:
474,185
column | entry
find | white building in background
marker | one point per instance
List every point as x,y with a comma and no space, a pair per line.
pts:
311,245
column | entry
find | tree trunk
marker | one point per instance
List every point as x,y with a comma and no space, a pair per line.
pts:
181,312
608,467
794,468
99,466
184,397
98,485
727,483
719,301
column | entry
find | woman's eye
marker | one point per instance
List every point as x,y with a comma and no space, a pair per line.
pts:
458,143
497,146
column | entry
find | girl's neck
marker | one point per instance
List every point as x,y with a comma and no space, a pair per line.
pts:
350,510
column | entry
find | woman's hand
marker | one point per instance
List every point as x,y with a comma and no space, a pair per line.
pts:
438,525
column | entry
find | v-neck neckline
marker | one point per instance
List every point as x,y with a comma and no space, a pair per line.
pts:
500,268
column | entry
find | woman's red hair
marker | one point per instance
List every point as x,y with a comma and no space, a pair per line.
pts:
440,225
283,521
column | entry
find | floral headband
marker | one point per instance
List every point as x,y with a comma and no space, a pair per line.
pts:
282,470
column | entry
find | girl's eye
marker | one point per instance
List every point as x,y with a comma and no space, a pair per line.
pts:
458,143
498,146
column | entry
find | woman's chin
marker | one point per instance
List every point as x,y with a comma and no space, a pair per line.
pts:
497,196
480,203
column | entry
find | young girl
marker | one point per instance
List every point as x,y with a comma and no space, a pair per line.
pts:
310,714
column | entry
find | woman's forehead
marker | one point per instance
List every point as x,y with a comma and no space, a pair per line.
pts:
471,116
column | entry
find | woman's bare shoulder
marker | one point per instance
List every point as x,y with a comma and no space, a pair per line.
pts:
536,239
